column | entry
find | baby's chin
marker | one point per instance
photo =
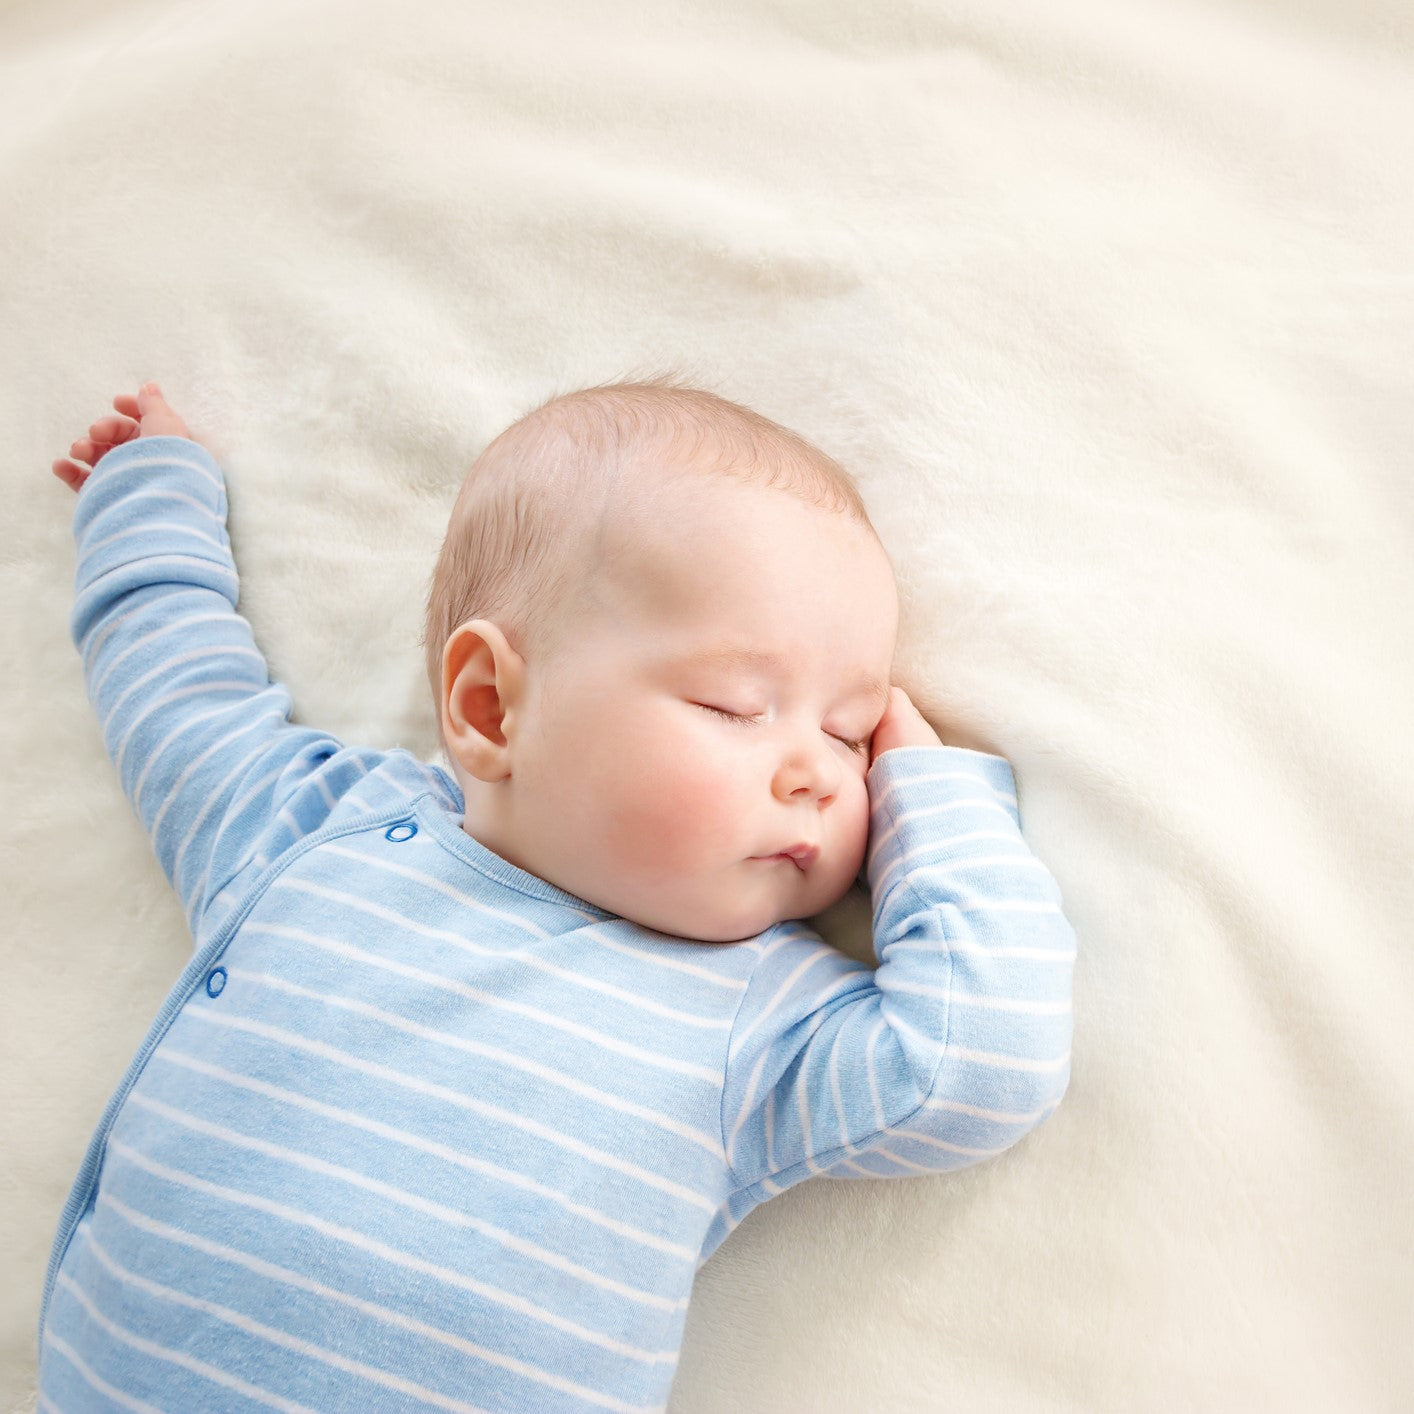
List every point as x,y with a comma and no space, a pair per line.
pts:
693,925
747,921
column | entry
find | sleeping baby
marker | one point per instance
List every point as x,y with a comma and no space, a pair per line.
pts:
472,1069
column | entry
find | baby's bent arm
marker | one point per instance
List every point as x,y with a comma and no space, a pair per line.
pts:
958,1043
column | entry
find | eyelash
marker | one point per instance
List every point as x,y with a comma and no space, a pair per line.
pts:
856,746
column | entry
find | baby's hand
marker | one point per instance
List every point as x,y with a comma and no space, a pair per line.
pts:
902,725
147,415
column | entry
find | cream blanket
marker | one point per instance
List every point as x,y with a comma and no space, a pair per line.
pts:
1110,308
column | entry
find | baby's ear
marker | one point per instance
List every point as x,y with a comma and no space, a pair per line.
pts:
482,676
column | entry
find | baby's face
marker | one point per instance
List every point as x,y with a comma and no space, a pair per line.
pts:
643,799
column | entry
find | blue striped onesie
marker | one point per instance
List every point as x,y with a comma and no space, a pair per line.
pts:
417,1130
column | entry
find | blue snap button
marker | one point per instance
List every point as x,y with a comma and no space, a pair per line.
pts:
215,981
405,830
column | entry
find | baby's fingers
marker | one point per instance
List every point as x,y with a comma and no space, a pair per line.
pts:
70,473
103,436
114,428
112,431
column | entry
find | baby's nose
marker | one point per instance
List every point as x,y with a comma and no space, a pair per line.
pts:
806,775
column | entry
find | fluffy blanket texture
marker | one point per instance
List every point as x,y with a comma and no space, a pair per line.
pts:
1108,306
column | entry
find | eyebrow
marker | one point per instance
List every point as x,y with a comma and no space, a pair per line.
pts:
729,655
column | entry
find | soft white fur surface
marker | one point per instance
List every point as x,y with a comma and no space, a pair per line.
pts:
1109,305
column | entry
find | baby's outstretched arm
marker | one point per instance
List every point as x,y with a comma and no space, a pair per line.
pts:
200,735
147,415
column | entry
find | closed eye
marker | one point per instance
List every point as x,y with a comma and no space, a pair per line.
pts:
855,746
730,716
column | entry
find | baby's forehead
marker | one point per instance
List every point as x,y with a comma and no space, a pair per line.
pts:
670,525
723,563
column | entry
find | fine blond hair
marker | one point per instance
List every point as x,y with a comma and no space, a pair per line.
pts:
523,532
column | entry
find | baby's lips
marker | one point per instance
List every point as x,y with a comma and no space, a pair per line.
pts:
801,855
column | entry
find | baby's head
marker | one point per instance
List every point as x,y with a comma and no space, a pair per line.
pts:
620,562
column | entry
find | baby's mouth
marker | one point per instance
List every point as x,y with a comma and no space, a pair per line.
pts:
801,855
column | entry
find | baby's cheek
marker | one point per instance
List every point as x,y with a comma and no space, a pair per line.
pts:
683,820
847,830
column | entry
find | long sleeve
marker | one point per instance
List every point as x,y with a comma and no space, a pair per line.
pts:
957,1043
200,736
